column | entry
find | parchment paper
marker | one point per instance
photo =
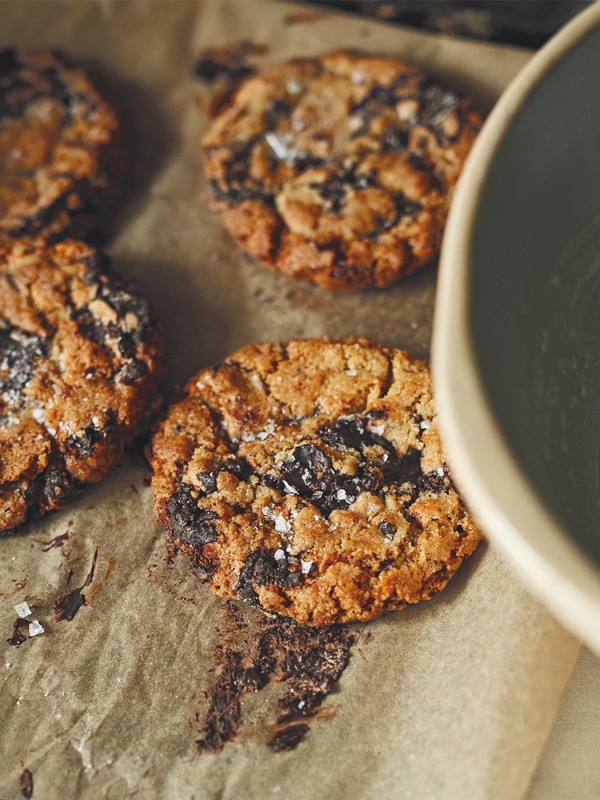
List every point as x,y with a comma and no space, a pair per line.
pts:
450,699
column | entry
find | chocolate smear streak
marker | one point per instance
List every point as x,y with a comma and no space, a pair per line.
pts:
20,633
307,661
58,541
67,606
26,783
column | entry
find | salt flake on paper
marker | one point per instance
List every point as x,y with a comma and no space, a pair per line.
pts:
23,609
35,629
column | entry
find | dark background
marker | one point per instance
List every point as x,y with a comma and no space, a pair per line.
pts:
528,23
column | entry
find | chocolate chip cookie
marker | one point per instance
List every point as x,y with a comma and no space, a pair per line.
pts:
308,478
60,147
339,170
80,359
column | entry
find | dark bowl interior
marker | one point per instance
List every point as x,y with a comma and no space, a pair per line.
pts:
535,291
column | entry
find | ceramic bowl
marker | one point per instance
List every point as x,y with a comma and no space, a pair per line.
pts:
516,344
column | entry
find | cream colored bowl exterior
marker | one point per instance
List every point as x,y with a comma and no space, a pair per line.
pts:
508,510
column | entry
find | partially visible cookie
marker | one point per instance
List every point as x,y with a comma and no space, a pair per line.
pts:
309,479
80,360
339,170
60,147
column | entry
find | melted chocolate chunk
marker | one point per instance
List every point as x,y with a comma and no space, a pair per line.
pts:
132,371
380,96
191,524
238,193
84,442
54,484
417,162
310,472
262,569
18,353
237,466
406,469
387,529
334,190
277,110
307,469
351,432
306,161
125,304
395,138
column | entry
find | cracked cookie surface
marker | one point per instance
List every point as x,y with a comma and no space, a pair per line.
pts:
339,170
80,359
60,147
308,478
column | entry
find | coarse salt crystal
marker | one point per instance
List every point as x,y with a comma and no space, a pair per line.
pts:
301,704
354,122
280,145
38,415
279,555
341,494
289,488
256,381
425,424
293,87
23,609
305,566
281,524
267,512
377,429
35,628
440,471
298,124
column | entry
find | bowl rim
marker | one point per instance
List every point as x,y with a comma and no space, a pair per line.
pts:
503,502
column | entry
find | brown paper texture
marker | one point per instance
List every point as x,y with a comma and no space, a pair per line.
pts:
450,699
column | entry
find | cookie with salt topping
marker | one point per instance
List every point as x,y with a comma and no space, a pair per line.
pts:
309,479
339,170
80,367
60,146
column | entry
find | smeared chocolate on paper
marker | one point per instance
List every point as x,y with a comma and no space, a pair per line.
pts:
67,606
26,783
308,661
20,633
